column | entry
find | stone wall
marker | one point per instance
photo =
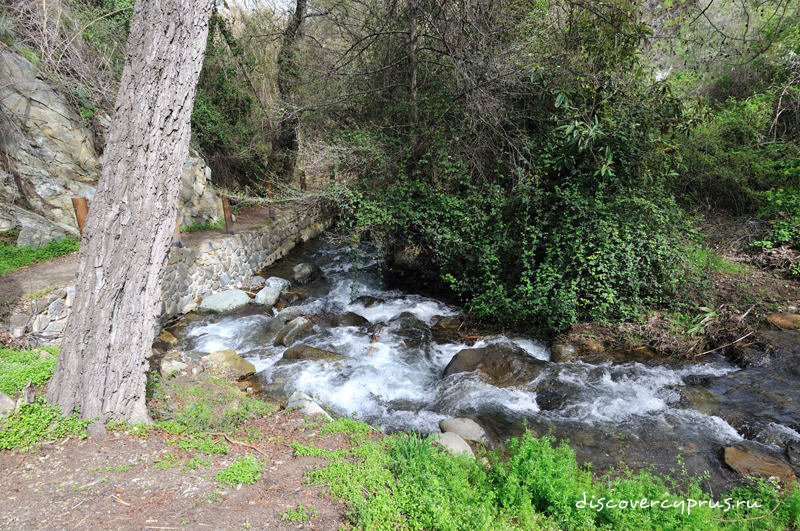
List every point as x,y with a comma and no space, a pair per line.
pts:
193,272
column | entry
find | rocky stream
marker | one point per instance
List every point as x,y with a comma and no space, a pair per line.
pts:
397,360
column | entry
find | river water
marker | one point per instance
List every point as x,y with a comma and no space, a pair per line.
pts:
656,415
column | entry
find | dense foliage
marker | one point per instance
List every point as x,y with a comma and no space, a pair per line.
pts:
404,482
12,258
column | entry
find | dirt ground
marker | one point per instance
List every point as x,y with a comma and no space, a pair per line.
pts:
112,482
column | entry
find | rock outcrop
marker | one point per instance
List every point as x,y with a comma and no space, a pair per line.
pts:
51,156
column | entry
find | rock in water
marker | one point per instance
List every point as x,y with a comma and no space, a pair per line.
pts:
350,319
271,291
785,320
228,364
368,301
453,443
748,461
504,364
292,331
225,301
305,273
467,429
307,352
303,402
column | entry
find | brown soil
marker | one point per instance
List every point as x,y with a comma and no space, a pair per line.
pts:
66,485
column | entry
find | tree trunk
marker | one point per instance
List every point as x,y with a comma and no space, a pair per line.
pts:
109,335
285,143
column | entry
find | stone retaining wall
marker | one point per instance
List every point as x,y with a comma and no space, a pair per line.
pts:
223,262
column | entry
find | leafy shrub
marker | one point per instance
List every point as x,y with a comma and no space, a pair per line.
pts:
728,160
245,470
12,258
18,367
36,422
403,482
782,208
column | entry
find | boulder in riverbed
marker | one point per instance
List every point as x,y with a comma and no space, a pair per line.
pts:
367,301
303,402
503,364
307,352
748,461
349,319
467,429
453,443
305,272
292,330
271,291
228,364
225,301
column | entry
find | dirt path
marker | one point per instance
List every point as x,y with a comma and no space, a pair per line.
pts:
114,482
61,271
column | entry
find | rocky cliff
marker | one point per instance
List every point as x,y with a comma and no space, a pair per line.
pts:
48,155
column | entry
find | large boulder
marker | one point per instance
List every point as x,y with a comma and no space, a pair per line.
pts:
228,364
445,328
502,364
271,291
225,301
292,330
307,352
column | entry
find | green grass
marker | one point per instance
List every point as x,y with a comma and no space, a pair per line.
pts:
204,225
705,260
346,426
203,443
301,513
38,294
36,422
245,470
168,460
403,482
13,258
210,405
18,367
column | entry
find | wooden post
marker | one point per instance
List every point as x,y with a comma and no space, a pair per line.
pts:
81,206
176,238
226,211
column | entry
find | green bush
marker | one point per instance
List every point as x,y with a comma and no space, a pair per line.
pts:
591,234
729,160
781,207
12,258
402,482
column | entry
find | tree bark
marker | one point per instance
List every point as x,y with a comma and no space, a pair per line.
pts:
109,335
285,143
